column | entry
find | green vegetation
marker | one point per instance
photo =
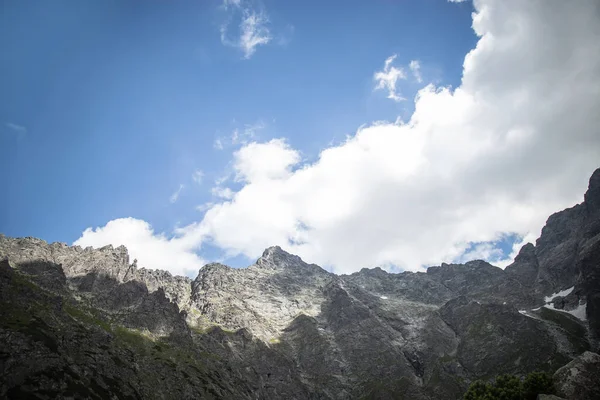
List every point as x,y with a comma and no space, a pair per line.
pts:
510,387
86,316
20,281
133,338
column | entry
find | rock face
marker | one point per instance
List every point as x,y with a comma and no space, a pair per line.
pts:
578,380
88,321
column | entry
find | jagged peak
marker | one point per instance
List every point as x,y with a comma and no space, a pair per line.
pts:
275,257
273,251
469,265
592,196
215,266
110,247
527,252
479,264
372,271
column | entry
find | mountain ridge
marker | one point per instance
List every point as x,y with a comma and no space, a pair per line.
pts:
283,328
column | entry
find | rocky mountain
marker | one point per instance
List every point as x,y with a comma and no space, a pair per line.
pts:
88,323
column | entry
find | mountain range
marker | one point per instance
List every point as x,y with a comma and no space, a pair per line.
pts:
90,323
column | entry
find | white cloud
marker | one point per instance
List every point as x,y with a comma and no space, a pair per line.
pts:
264,161
221,192
198,176
175,196
530,237
515,142
415,68
155,251
231,3
240,136
205,206
253,30
482,251
250,130
387,78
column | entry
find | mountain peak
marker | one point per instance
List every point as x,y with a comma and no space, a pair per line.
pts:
275,257
592,196
273,251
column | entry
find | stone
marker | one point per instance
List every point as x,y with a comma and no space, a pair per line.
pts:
579,379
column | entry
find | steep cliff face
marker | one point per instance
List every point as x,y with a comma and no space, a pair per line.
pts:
283,328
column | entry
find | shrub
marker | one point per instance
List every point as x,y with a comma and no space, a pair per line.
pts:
536,383
510,387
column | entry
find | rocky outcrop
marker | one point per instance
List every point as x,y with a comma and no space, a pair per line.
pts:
496,337
283,328
578,380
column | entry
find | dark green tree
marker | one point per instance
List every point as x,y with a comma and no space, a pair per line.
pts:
507,387
536,383
478,391
510,387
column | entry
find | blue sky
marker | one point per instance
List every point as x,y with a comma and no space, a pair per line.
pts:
109,107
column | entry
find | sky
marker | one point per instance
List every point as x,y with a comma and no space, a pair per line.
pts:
390,133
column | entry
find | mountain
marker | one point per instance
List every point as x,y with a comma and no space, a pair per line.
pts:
88,323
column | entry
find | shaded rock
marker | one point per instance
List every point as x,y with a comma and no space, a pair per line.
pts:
579,379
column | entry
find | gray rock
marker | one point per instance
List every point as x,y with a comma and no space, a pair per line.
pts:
579,379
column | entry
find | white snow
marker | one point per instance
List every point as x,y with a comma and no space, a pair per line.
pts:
562,293
579,312
525,313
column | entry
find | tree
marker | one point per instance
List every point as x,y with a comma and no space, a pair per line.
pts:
536,383
510,387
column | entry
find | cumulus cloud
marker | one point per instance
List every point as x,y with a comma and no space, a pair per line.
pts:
221,192
387,79
254,27
175,196
516,141
152,250
264,161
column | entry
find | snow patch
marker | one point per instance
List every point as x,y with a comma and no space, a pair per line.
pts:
525,313
562,293
578,312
